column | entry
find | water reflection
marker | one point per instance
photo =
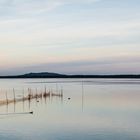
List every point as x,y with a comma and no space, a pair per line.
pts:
29,99
94,111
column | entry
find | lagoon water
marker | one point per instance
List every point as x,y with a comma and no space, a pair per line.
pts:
97,109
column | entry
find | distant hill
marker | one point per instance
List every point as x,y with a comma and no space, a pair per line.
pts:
57,75
42,74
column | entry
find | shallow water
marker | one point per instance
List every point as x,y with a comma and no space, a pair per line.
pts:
98,109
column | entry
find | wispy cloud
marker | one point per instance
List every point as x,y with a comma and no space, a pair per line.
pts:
55,31
110,65
36,6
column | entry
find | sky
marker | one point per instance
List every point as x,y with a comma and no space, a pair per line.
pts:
70,36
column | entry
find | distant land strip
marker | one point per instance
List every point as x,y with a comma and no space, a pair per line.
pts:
56,75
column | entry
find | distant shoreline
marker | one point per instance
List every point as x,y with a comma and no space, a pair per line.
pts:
56,75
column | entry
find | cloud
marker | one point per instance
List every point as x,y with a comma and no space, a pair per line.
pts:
36,6
31,32
52,31
110,65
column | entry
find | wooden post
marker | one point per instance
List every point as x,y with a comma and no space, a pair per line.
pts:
45,90
14,95
23,94
6,97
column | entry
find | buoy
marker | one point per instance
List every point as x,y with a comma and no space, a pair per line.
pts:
31,112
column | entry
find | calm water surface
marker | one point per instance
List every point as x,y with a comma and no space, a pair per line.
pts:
98,109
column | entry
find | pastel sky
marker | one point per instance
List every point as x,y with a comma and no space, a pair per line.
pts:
70,36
